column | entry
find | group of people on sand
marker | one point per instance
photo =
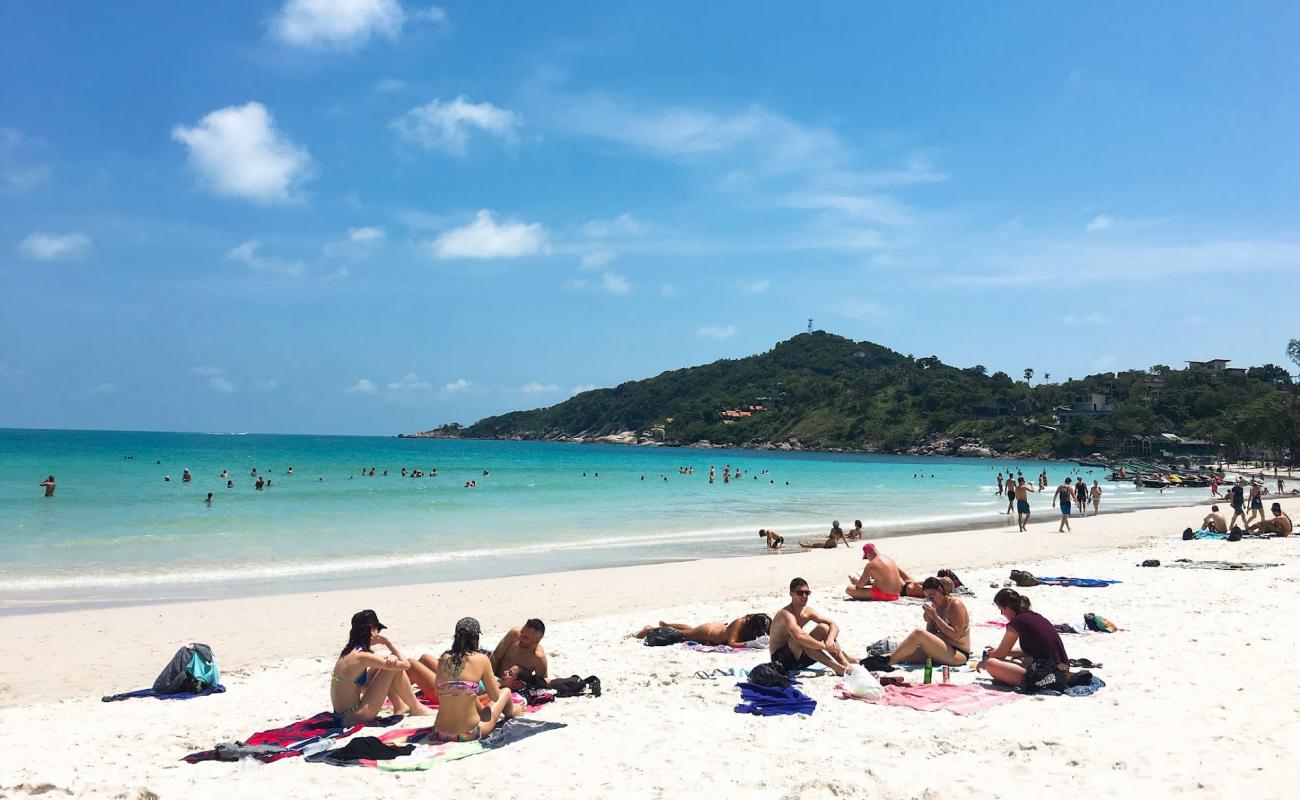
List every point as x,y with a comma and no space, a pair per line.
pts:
1279,525
471,689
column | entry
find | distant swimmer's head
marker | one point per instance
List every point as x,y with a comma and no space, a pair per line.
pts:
869,551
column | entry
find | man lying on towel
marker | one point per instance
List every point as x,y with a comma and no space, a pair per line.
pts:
881,579
792,648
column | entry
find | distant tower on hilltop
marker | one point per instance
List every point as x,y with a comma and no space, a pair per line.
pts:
810,324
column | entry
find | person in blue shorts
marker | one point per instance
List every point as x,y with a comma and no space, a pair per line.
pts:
1064,493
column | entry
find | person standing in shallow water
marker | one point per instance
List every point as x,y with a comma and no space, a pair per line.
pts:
48,485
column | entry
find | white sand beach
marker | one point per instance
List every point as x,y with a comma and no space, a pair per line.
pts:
1198,700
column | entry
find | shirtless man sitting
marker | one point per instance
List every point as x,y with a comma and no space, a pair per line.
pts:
519,653
1279,525
792,648
1214,521
881,579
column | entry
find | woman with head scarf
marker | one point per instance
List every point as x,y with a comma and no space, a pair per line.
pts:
457,677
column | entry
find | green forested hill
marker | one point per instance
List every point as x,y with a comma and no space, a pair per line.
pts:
830,392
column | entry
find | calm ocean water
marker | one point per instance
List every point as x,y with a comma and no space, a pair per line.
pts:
116,531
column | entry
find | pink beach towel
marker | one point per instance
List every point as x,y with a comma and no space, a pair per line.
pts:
960,699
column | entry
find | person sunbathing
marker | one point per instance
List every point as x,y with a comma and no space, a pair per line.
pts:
1279,525
881,578
455,677
792,648
945,639
831,541
1038,640
732,634
363,679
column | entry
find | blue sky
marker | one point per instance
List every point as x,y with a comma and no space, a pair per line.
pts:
366,216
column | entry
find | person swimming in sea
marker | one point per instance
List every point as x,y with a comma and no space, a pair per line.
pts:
48,485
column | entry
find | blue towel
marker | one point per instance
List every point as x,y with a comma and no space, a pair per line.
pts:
769,701
1084,691
218,689
1090,583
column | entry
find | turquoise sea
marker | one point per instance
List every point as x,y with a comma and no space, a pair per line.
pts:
116,531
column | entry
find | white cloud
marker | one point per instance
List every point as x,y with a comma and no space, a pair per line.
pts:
219,383
410,382
614,283
533,387
1085,319
878,209
1100,223
55,246
18,170
622,225
487,238
390,86
344,24
439,125
249,253
717,331
357,242
457,386
237,151
756,287
596,259
104,388
583,387
435,15
362,386
668,290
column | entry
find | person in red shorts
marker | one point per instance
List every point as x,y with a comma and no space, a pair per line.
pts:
881,579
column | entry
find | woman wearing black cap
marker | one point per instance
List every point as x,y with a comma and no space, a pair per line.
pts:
363,679
457,677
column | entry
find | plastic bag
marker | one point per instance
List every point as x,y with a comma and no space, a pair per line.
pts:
859,682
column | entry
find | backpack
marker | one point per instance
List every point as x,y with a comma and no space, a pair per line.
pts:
771,674
1188,534
661,637
1096,622
192,669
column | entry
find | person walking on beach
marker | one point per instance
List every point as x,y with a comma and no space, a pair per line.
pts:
1256,503
1022,502
1064,493
1238,504
48,486
792,648
1011,492
1096,497
1081,494
999,484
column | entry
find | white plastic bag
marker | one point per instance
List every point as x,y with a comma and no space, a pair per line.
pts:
859,682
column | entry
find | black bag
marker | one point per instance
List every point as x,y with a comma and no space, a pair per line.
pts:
1021,578
192,669
1151,562
661,637
770,674
1235,534
1042,676
571,686
1188,534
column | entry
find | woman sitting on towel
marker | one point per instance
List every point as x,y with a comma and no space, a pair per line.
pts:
733,634
1037,637
455,678
946,637
363,679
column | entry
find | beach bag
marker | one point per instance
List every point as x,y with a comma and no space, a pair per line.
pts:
1235,534
1021,578
192,669
1042,676
1188,534
662,637
1096,622
770,674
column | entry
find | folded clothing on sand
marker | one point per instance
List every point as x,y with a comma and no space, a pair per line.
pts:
960,699
772,701
110,698
1087,583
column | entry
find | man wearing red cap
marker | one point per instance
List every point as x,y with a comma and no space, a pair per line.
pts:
881,579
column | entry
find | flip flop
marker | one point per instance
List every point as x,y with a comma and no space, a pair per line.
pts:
704,676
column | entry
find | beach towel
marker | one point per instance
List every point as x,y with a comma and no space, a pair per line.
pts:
961,699
1087,583
1087,689
425,755
292,738
770,701
722,648
1184,563
112,698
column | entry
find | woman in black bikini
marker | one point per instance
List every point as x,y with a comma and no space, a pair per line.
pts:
733,634
945,639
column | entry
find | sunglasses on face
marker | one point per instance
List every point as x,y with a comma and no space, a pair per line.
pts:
803,592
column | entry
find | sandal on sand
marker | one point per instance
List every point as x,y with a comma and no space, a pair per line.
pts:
704,676
1085,663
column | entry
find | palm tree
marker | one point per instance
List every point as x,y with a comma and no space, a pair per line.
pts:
1029,374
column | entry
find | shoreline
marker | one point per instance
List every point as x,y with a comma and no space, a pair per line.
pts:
38,603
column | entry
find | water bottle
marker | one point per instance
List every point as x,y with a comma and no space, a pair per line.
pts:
929,669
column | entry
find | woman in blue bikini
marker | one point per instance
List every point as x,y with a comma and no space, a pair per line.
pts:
363,679
457,677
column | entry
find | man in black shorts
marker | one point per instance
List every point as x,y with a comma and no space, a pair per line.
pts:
792,648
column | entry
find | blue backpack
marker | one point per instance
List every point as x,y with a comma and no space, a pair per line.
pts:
192,669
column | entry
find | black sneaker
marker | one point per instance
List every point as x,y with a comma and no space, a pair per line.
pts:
877,663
